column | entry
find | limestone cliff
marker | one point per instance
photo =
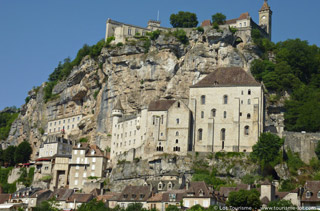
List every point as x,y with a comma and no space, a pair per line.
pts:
165,71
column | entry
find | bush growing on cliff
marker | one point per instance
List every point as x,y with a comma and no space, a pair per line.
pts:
218,18
184,20
23,152
181,36
266,150
6,120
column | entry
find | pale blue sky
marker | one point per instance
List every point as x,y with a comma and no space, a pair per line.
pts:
36,34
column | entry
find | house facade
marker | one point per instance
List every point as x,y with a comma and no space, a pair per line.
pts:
227,108
55,145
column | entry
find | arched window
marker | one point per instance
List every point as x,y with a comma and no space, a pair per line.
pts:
213,112
202,114
223,134
177,141
246,130
203,99
177,133
308,194
225,99
178,104
249,92
248,116
160,186
200,134
169,185
225,114
249,101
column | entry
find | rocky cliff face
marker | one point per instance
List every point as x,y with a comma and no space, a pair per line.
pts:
166,71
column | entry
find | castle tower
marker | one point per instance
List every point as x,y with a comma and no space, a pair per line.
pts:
265,18
117,111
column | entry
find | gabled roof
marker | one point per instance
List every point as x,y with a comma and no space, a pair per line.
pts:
206,23
160,105
244,16
62,194
313,187
265,6
96,149
265,200
227,76
40,193
108,196
198,190
135,193
80,197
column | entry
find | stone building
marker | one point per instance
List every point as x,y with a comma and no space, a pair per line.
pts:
87,165
121,31
128,131
227,108
198,193
55,145
65,125
60,172
169,127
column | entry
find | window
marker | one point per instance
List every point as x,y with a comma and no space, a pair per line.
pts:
241,92
225,99
178,105
160,186
202,114
308,194
86,159
203,99
177,133
81,152
248,116
245,24
153,120
240,24
161,119
249,92
170,185
73,119
240,114
76,182
177,141
178,121
223,134
213,112
161,134
92,152
93,167
75,152
246,130
200,134
318,194
93,160
78,160
129,31
77,174
225,114
249,101
92,174
59,122
241,101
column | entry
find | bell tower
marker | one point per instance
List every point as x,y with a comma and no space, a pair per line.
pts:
265,18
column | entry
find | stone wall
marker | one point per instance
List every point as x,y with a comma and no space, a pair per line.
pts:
302,143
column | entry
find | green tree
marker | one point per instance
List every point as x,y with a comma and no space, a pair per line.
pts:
23,152
172,208
50,205
219,18
266,150
8,155
244,199
184,20
286,204
197,208
93,205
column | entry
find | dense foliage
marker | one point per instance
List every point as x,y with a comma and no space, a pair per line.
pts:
13,155
266,150
6,120
184,20
64,69
244,198
296,70
278,204
218,18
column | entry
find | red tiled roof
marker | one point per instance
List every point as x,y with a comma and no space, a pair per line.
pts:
244,16
160,105
206,23
227,76
231,21
107,196
96,149
156,198
135,193
196,188
314,188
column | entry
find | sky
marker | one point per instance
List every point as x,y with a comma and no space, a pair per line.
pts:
36,34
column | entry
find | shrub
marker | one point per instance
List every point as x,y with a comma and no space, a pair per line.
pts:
233,30
200,29
215,26
46,178
27,99
287,185
181,36
119,44
83,140
294,162
154,35
95,94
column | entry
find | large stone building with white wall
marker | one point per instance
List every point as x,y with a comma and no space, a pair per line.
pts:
55,145
224,113
227,108
64,125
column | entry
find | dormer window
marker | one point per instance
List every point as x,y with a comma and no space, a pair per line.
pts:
92,152
308,194
200,192
79,145
169,185
125,196
142,196
160,186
